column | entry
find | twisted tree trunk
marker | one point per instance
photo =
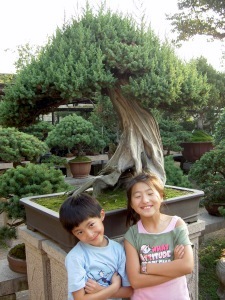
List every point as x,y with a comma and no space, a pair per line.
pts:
140,146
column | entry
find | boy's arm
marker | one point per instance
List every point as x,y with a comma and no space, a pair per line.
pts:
102,294
123,292
92,287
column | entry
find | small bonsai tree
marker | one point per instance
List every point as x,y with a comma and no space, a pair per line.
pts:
172,134
200,136
29,180
74,132
40,129
174,174
219,135
16,145
208,173
18,251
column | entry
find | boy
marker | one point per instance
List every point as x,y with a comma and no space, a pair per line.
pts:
96,265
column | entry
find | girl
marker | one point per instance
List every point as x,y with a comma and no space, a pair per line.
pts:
158,250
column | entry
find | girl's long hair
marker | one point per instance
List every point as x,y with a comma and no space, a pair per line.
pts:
152,181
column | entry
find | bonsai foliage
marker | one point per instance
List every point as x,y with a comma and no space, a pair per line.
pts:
16,145
219,135
6,233
40,129
107,53
203,17
18,251
200,136
28,180
174,174
105,120
209,175
172,134
74,132
206,115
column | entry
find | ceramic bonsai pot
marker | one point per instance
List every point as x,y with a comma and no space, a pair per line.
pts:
46,221
193,151
17,263
80,169
212,208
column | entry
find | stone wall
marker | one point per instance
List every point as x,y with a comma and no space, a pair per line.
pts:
47,277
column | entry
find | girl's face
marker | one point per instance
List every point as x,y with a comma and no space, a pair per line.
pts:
145,200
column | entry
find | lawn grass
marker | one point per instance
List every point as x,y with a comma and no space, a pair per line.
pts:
209,253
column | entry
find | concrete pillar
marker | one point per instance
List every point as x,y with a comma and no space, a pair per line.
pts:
195,230
38,269
47,277
57,280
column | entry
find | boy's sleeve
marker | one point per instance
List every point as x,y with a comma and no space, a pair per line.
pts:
75,271
122,266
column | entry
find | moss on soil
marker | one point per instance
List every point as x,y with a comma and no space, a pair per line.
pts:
109,199
80,159
18,251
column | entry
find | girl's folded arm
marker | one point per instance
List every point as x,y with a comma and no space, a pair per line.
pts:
138,280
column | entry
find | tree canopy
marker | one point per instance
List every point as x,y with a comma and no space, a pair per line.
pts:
203,17
207,114
108,54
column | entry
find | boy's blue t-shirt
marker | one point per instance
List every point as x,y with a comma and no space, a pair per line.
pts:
98,263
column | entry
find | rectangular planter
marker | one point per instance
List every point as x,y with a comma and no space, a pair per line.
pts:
46,221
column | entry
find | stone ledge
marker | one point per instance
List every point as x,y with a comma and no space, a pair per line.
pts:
11,282
212,223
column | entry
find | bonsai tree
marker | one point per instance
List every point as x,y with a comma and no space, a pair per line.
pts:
174,174
16,145
74,132
29,180
39,129
109,54
219,135
208,173
172,134
200,136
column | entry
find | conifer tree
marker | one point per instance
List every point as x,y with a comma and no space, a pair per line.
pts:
109,54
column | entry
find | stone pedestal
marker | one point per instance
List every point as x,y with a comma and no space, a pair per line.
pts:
220,272
47,276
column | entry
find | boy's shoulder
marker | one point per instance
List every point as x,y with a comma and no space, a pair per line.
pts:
76,249
116,243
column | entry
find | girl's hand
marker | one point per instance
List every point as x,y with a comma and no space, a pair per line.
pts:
92,287
178,252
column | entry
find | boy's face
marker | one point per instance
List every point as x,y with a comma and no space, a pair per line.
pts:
91,231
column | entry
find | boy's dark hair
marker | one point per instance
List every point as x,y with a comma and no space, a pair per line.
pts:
76,209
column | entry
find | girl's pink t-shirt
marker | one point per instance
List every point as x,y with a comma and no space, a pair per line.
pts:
175,289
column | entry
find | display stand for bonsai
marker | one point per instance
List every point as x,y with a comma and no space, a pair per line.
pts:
11,282
47,259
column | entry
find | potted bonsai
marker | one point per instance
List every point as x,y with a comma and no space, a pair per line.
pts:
184,204
16,146
208,174
172,134
75,133
17,258
199,143
30,179
40,129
